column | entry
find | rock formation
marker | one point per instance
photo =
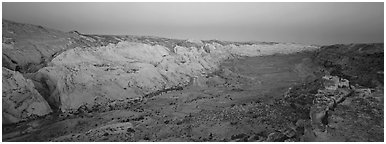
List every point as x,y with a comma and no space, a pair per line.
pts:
20,98
82,76
145,88
359,63
72,69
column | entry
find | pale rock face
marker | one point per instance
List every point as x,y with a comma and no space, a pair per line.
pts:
20,99
199,42
334,82
86,76
115,72
77,85
141,52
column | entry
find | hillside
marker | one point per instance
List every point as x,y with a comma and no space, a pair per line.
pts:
78,87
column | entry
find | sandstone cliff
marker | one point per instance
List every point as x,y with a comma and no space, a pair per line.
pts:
135,88
72,69
83,76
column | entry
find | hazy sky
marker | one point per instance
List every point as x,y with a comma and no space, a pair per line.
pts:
312,23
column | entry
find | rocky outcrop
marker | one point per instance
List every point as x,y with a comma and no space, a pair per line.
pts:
92,74
347,106
336,108
71,69
86,76
334,92
359,63
20,98
26,48
126,70
360,117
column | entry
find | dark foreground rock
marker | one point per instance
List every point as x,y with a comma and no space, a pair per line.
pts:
360,63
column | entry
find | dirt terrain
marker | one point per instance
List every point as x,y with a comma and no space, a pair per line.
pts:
199,91
240,102
209,109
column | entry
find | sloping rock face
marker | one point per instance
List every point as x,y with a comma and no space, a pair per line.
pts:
20,98
28,48
127,70
71,69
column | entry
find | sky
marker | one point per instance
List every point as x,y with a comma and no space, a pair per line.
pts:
308,23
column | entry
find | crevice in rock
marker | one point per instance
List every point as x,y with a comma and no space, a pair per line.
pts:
325,119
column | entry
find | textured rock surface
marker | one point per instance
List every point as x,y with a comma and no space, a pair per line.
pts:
26,48
73,69
232,112
359,63
125,129
20,98
143,88
84,76
339,111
